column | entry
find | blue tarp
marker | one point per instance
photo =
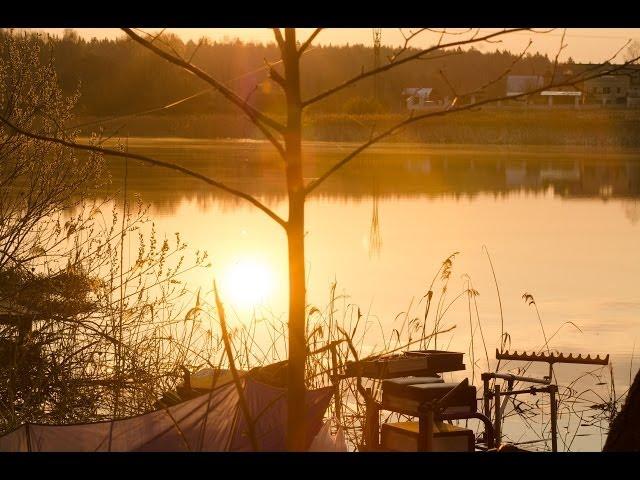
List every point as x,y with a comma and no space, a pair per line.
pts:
211,422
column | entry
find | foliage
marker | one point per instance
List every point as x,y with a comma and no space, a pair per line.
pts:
363,106
86,332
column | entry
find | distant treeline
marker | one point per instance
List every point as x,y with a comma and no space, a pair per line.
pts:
119,76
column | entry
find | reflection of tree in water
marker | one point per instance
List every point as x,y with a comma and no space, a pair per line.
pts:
375,239
632,210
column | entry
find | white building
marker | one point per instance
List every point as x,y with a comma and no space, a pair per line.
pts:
519,84
418,98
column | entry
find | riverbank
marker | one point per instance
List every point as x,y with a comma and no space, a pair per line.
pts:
593,127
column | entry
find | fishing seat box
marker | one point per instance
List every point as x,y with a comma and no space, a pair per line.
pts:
403,437
406,394
416,362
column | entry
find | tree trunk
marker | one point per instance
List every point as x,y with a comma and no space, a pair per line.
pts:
624,434
296,424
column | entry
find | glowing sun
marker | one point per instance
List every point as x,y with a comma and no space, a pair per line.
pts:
248,283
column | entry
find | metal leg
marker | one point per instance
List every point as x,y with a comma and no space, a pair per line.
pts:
488,426
486,395
554,418
372,424
497,420
336,383
425,431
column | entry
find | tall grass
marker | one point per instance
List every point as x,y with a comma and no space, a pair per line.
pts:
340,332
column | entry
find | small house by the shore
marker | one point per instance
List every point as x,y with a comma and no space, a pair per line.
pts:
418,98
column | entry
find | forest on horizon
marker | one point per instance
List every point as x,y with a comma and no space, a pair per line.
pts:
118,77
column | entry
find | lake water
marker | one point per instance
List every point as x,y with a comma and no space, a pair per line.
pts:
562,224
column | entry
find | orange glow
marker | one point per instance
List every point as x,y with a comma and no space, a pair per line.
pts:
247,283
583,44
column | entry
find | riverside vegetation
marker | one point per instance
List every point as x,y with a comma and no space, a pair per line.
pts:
491,126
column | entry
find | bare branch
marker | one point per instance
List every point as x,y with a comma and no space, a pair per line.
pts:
193,54
467,30
407,39
142,112
450,53
278,34
620,49
258,118
307,43
412,119
273,73
250,94
607,61
162,41
389,66
560,48
504,73
451,87
150,161
157,35
268,65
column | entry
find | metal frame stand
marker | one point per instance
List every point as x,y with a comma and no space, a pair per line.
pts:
549,388
427,415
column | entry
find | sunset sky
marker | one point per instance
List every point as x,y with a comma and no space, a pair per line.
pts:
583,44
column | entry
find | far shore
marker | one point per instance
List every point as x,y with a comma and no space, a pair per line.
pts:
617,128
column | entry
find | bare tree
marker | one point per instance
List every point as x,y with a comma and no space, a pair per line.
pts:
287,140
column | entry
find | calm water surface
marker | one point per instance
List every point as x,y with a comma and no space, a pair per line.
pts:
562,224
